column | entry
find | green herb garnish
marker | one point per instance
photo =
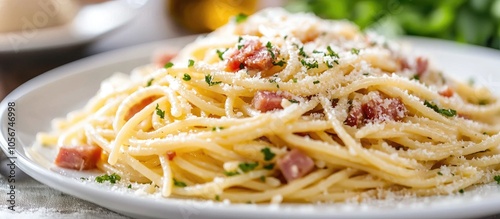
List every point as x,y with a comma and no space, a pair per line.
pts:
186,77
497,178
263,178
294,80
416,77
217,128
221,53
269,47
149,82
160,112
309,65
129,186
231,173
217,198
169,65
293,101
239,42
269,166
331,52
209,79
461,191
245,167
302,53
439,173
315,82
483,102
268,154
190,63
113,178
355,51
179,183
444,112
240,18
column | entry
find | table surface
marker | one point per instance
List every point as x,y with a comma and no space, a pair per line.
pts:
35,200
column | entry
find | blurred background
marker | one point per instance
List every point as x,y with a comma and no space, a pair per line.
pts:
39,35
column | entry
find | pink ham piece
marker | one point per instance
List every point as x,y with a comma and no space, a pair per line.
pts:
82,157
379,110
295,164
163,57
252,56
267,100
376,110
422,65
139,106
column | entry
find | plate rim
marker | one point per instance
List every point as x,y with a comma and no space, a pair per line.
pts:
216,209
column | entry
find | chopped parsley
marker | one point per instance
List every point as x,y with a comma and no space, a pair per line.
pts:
113,178
169,65
294,80
217,198
416,77
217,128
263,178
221,53
240,18
309,65
483,102
149,82
179,183
239,42
159,112
280,63
268,154
329,64
497,178
245,167
439,173
274,81
331,52
355,51
129,186
366,74
315,82
231,173
269,166
269,47
186,77
84,178
444,112
293,101
190,63
209,79
461,191
302,53
316,51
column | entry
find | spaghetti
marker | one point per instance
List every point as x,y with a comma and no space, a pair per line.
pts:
288,108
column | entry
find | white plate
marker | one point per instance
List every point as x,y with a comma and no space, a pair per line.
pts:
67,88
91,22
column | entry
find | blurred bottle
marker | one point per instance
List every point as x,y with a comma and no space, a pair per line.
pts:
207,15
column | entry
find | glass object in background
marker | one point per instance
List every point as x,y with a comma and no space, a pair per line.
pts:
470,21
206,15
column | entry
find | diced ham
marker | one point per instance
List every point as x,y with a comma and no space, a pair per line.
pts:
267,100
422,65
379,110
376,109
139,106
355,117
171,155
447,92
82,157
163,57
295,164
253,56
403,64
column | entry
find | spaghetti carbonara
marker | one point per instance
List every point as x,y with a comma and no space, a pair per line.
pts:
280,107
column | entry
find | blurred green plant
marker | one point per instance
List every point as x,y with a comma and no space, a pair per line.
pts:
469,21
